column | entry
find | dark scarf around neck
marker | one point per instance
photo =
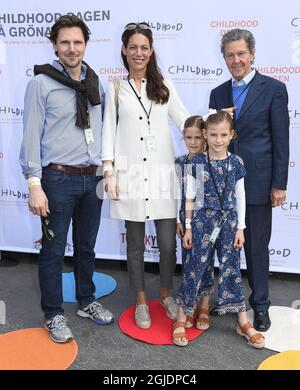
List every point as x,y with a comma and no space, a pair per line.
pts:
86,90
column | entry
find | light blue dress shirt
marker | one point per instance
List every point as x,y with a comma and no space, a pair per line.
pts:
50,134
245,80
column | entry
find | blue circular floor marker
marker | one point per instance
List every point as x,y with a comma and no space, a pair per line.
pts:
104,285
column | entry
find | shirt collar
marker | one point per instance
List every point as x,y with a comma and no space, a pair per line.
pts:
245,80
132,79
57,65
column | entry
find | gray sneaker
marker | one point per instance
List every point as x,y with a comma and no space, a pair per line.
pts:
171,307
142,316
59,332
96,312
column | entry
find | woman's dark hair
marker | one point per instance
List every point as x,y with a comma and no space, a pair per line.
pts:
68,21
156,89
194,121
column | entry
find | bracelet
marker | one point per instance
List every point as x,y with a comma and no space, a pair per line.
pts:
188,223
34,181
108,173
30,185
107,168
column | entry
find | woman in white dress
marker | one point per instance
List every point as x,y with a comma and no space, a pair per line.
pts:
138,158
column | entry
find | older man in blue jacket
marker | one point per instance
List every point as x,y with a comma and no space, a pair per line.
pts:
261,122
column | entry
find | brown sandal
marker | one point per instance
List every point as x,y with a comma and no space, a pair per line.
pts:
189,322
179,336
252,340
202,323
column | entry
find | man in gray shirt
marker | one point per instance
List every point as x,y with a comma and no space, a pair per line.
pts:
59,156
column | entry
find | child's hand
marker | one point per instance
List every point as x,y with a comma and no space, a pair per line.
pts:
179,230
239,239
229,110
187,239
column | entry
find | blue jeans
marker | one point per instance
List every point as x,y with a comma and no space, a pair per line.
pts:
70,197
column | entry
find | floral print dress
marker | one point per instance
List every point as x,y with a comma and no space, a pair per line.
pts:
198,262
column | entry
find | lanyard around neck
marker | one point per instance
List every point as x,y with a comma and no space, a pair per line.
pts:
139,98
221,195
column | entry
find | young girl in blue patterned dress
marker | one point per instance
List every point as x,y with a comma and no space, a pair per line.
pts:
195,142
213,213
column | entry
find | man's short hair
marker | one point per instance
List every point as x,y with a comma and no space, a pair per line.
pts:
235,35
68,21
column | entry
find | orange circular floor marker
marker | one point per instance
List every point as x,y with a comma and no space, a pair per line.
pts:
288,360
32,349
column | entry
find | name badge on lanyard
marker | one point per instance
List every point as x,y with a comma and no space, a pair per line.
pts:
89,136
150,143
214,235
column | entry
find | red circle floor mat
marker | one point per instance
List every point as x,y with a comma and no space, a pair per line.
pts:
160,332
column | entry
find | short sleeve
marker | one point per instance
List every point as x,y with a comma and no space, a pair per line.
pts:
240,170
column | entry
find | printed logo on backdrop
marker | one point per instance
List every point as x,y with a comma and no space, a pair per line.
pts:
13,196
278,257
113,73
151,248
189,73
29,72
291,210
295,25
31,27
282,73
295,22
163,29
38,246
9,114
295,45
1,156
294,114
225,25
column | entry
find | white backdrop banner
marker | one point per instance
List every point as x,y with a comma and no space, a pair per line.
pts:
187,39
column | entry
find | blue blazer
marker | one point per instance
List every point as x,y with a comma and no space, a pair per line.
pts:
262,134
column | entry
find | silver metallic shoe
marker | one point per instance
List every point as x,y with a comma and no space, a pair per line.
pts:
171,307
96,312
59,332
142,316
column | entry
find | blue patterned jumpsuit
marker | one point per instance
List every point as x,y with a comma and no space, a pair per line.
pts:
198,262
